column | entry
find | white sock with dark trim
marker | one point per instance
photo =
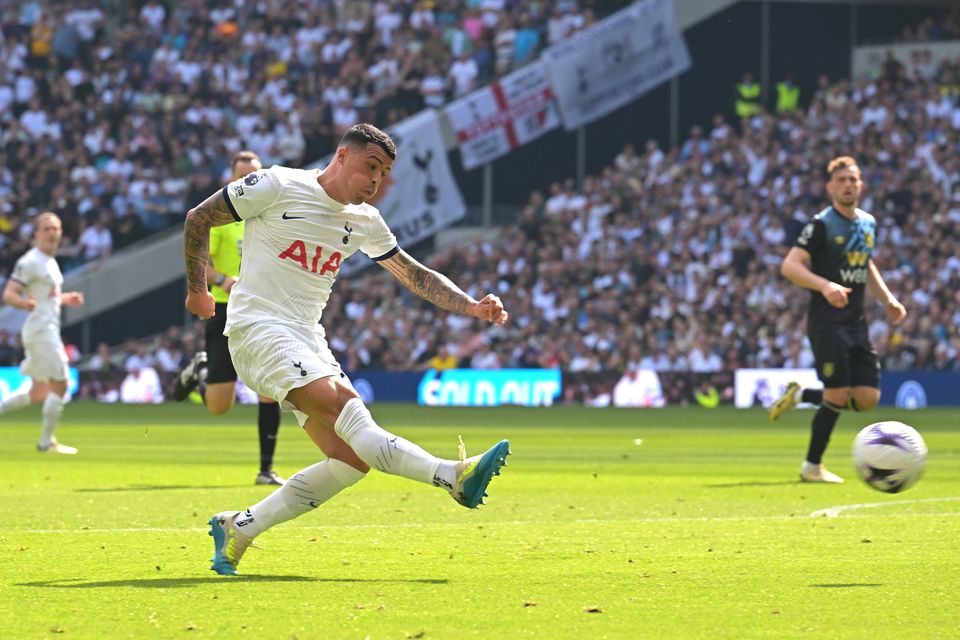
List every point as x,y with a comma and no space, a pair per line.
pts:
303,492
389,453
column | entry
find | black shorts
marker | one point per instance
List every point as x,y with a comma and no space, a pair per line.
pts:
219,364
845,357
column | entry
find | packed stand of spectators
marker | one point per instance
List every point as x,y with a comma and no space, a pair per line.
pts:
670,258
120,121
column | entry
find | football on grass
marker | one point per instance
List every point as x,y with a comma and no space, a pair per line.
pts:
889,456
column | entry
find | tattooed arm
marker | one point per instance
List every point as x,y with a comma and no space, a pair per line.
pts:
440,290
212,212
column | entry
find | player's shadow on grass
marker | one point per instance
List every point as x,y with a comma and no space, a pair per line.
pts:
730,485
171,583
155,487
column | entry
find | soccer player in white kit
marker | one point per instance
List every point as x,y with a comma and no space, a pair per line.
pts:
300,226
35,286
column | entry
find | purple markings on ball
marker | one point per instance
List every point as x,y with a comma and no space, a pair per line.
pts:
879,436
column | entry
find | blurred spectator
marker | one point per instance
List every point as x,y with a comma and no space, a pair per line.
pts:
10,356
747,97
788,95
96,241
169,358
638,388
141,385
140,358
101,361
442,360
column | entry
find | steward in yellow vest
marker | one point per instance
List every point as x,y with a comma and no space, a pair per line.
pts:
747,100
788,95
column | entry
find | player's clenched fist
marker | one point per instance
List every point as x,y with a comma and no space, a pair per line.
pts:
836,294
201,304
896,312
490,309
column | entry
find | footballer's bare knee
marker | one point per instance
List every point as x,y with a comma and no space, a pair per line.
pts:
219,397
219,409
866,398
39,391
837,396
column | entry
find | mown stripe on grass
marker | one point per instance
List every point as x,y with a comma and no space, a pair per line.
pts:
512,523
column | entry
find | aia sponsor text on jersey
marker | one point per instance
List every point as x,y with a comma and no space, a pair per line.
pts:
298,252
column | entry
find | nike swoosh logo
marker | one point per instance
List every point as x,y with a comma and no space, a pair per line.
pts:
468,470
286,217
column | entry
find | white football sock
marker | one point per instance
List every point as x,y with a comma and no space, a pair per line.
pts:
304,492
15,401
52,410
389,453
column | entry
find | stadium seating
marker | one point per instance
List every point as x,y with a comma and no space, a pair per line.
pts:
667,258
129,118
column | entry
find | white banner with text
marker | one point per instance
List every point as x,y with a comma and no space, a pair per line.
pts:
760,387
616,61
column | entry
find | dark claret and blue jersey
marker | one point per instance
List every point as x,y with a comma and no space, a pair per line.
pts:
840,250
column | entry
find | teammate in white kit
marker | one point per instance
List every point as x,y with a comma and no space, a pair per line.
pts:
35,286
300,226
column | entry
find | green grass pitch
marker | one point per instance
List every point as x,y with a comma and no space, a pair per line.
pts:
674,523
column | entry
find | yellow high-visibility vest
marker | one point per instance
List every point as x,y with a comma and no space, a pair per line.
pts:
788,97
747,104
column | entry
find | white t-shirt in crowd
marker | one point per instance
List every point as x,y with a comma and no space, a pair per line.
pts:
141,386
96,243
295,238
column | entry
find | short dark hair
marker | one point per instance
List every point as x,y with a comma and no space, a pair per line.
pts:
360,135
243,156
840,163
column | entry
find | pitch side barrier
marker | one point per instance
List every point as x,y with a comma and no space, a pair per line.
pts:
640,388
902,389
12,381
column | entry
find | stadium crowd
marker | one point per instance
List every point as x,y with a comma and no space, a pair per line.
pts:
118,121
667,259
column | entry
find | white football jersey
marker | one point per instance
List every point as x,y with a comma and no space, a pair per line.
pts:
295,239
40,275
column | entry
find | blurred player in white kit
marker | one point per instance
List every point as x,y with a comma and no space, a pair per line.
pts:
35,286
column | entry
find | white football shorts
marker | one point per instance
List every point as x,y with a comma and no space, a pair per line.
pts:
273,359
46,359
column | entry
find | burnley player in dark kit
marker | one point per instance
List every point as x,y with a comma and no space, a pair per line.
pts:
833,257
